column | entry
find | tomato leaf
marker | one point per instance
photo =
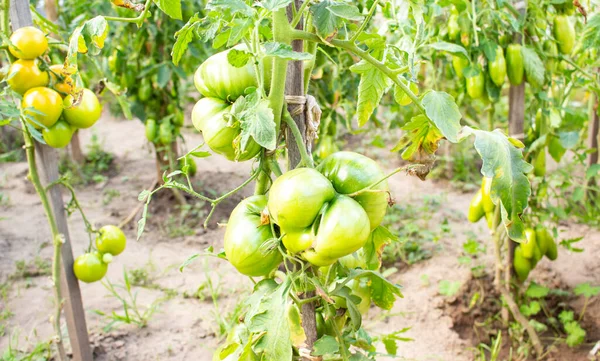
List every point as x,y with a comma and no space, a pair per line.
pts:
170,7
383,292
276,343
450,48
285,51
183,37
373,250
591,33
373,84
296,330
420,141
441,108
503,162
121,97
273,5
232,6
326,345
534,68
87,38
346,11
256,120
325,21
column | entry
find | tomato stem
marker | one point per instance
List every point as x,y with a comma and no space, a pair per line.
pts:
374,184
365,22
306,158
282,34
138,20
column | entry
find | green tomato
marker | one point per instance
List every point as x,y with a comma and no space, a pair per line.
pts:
459,64
208,118
28,43
192,168
497,68
26,74
564,32
521,265
216,78
354,260
247,230
530,243
343,229
476,85
165,133
86,112
151,130
326,147
486,197
453,27
111,240
296,198
59,135
514,62
550,63
145,90
476,211
350,172
360,289
539,163
89,267
44,105
298,240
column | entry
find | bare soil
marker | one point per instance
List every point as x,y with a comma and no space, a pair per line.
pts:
185,327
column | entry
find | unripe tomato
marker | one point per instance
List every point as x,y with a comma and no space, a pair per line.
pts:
465,38
486,197
111,240
151,130
28,43
489,217
343,229
59,135
564,32
551,63
497,68
65,85
453,27
26,74
192,167
476,85
47,106
403,98
514,61
459,64
350,172
298,240
145,90
89,267
245,235
359,288
521,265
326,147
530,244
165,133
476,210
539,164
86,113
217,78
296,198
208,118
547,244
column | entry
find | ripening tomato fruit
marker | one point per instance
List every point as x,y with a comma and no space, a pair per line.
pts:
247,231
486,195
208,118
28,43
350,172
85,113
60,80
530,243
89,267
296,198
476,211
111,240
59,135
47,106
26,74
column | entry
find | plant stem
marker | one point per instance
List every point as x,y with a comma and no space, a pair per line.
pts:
306,159
138,20
587,300
274,166
497,250
281,34
474,21
514,309
34,178
365,22
374,184
340,338
299,13
90,229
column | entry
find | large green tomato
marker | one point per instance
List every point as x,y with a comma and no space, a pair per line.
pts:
85,113
459,64
247,230
530,244
26,74
46,106
350,172
28,43
59,135
497,68
296,198
564,32
514,62
298,240
89,267
342,230
521,264
111,240
208,118
217,78
476,85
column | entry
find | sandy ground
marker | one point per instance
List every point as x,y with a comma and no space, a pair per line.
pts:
184,328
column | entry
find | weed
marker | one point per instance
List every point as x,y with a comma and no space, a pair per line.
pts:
109,195
40,352
32,268
186,222
96,165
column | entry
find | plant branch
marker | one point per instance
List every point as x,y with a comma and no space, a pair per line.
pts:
374,184
365,22
306,159
138,20
299,13
514,309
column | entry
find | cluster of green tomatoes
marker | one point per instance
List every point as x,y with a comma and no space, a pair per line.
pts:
93,265
51,102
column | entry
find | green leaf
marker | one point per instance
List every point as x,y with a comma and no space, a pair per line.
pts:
536,291
592,171
325,21
373,84
285,51
273,5
297,333
276,343
576,334
532,309
448,288
534,68
591,33
240,27
373,249
420,140
443,111
170,7
256,120
450,48
390,345
555,149
231,6
383,292
346,11
568,140
164,75
586,290
238,58
87,38
326,345
504,163
121,97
